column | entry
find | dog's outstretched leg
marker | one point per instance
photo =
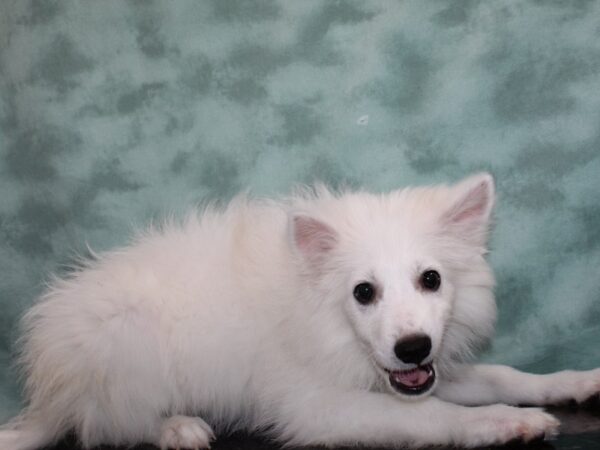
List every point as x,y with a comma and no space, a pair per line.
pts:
178,432
487,384
332,417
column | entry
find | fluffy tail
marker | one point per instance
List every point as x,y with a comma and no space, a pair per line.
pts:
23,433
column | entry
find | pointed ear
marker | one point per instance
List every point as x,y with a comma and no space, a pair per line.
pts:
311,237
469,213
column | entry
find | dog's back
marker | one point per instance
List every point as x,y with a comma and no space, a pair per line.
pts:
170,323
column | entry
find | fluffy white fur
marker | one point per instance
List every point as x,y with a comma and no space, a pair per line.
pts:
245,318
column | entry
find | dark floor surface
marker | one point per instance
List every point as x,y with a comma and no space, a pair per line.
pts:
580,430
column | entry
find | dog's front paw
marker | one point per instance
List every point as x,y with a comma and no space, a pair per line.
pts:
577,388
587,388
501,424
182,432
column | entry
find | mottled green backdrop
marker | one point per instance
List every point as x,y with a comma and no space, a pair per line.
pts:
116,113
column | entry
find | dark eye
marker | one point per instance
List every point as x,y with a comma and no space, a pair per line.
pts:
430,280
364,293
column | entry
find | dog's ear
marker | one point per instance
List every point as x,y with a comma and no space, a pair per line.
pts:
313,238
469,213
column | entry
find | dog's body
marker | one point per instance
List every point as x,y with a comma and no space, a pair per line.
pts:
327,319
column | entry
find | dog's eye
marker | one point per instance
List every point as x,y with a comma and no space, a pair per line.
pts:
364,293
430,280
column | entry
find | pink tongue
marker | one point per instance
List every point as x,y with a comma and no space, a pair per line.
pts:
413,377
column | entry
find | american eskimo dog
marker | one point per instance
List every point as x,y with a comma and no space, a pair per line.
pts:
327,318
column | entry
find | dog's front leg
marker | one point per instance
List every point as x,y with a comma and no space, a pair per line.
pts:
334,417
487,384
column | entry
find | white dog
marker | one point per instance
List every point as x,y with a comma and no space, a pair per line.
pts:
331,319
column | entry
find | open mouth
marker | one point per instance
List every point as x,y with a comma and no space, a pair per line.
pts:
415,381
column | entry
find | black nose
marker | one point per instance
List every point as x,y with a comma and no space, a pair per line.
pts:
413,349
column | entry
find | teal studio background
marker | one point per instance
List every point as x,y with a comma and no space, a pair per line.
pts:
115,114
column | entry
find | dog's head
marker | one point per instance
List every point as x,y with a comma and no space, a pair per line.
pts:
408,271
